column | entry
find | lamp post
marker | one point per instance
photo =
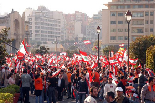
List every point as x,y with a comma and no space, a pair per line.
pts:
128,16
98,31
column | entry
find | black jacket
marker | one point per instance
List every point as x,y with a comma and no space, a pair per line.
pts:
62,83
83,87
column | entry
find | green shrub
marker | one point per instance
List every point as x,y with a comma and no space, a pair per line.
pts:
7,90
16,87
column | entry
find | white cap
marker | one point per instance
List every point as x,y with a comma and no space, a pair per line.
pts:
119,89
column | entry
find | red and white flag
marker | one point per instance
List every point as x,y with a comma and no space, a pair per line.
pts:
121,45
27,45
22,51
87,42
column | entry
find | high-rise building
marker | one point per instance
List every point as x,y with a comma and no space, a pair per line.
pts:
76,25
96,21
45,25
114,25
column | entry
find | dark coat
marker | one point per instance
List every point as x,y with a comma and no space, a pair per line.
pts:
62,83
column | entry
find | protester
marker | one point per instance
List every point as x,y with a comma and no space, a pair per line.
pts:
110,97
60,87
93,95
148,91
38,83
120,98
26,80
51,89
83,88
109,87
11,80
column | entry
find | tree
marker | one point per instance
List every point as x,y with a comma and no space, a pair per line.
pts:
42,50
95,46
3,42
106,50
139,46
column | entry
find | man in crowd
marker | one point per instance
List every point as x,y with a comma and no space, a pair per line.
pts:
93,95
120,98
148,92
109,87
60,87
26,80
51,88
110,97
83,88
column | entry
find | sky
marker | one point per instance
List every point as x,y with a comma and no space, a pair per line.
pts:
89,7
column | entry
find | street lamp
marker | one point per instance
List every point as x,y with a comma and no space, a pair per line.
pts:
128,16
98,31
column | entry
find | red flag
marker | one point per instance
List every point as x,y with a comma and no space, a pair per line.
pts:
83,53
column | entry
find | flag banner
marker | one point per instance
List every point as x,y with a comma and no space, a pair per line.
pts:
87,42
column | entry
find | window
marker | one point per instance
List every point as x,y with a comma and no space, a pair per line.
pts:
146,6
37,23
37,31
113,30
120,30
43,39
135,6
135,30
126,30
37,35
120,7
151,30
37,27
30,19
137,22
140,6
112,37
30,27
112,22
120,37
127,6
151,21
37,39
120,22
120,14
146,13
113,7
146,22
151,13
113,13
138,14
126,38
134,38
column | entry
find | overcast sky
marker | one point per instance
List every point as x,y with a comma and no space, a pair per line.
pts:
89,7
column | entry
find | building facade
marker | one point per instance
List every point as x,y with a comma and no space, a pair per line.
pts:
45,25
115,27
16,23
91,30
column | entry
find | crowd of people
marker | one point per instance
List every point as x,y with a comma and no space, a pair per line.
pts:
80,82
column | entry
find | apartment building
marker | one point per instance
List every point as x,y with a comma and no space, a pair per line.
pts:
76,25
45,25
91,30
114,25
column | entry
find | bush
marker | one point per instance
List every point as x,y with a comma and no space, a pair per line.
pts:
6,98
16,87
7,90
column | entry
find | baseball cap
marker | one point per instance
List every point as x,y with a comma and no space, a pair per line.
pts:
119,89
